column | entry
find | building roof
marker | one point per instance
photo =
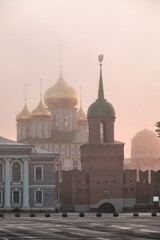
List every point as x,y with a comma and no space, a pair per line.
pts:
8,146
8,141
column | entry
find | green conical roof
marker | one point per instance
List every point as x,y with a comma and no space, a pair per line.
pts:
101,107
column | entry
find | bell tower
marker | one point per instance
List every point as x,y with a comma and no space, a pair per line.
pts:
101,116
102,152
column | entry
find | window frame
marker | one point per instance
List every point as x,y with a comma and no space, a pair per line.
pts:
2,171
21,172
16,203
38,166
1,197
35,197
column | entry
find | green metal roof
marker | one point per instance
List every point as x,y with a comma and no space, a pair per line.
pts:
100,108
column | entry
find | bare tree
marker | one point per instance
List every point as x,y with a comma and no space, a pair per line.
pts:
158,128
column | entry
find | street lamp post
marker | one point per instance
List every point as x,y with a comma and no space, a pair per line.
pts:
59,179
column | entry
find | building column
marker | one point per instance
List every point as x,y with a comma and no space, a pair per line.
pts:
25,184
7,197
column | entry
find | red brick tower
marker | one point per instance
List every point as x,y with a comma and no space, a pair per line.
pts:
103,157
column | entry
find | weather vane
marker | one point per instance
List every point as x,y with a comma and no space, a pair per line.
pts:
100,57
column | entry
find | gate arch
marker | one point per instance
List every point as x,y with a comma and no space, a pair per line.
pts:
106,208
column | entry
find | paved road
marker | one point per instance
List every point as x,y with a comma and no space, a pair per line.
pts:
90,227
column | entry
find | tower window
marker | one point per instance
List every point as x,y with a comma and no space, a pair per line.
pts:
102,132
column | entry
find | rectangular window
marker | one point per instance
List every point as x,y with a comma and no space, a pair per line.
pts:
1,172
38,174
16,196
0,197
39,196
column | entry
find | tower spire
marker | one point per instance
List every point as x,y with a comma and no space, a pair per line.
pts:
25,90
40,89
60,48
100,90
80,96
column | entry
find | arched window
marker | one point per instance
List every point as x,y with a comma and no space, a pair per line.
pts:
102,132
1,172
16,172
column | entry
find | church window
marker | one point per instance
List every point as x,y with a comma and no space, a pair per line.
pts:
38,173
1,172
65,121
43,132
59,165
21,132
55,121
75,164
27,132
16,172
38,196
16,196
75,148
97,182
114,181
106,182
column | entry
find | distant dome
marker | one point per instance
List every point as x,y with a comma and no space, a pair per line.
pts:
40,112
101,108
145,144
81,116
60,95
24,116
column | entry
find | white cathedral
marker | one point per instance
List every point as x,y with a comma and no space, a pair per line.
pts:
56,126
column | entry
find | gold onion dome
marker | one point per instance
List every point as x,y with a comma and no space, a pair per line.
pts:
61,95
41,112
82,117
24,116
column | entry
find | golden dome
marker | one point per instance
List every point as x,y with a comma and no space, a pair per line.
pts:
82,117
40,112
24,116
60,95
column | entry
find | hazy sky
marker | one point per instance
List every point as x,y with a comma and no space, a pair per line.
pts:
126,32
